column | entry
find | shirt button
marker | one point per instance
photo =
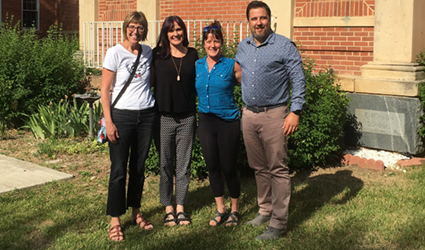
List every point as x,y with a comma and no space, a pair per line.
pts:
252,72
252,85
253,98
255,60
207,86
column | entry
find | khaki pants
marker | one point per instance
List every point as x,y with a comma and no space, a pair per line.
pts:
266,148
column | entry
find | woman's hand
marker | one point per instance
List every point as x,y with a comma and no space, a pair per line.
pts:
111,129
112,133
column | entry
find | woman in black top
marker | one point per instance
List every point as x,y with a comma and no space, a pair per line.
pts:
173,79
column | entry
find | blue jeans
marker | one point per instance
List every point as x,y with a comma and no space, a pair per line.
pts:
135,134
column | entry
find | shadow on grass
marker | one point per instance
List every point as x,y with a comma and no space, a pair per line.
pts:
311,193
70,216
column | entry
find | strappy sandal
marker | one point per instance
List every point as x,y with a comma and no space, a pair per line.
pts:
183,217
217,215
167,221
115,233
142,222
234,219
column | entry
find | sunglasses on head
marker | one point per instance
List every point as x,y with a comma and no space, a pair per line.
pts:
214,27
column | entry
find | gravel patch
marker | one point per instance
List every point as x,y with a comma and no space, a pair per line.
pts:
389,158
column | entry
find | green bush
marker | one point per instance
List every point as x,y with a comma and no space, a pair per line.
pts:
421,88
35,71
320,132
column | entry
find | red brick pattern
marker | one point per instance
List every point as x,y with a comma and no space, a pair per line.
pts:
204,10
334,8
50,12
115,10
344,49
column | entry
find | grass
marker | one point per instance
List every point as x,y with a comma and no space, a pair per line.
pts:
333,208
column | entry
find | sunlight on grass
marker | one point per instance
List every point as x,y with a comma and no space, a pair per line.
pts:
341,208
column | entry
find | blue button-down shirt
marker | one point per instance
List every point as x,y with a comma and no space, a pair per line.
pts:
267,71
215,88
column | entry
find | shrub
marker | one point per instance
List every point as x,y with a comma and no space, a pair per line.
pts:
317,141
421,89
35,71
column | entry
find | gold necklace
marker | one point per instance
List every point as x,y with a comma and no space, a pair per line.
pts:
179,69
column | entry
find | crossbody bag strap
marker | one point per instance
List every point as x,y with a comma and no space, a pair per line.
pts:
133,72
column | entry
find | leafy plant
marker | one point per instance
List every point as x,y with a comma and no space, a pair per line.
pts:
317,141
421,89
35,71
61,120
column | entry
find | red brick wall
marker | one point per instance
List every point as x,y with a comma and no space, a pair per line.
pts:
50,12
332,8
11,8
344,49
204,10
68,14
115,10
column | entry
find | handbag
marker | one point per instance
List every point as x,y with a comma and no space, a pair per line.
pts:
101,134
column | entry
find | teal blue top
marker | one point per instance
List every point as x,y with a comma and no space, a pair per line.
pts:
215,88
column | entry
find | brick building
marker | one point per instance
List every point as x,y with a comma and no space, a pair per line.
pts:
370,44
336,33
42,14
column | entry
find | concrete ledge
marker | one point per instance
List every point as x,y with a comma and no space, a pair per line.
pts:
397,72
346,83
386,87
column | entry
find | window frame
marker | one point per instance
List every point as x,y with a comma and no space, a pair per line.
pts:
37,21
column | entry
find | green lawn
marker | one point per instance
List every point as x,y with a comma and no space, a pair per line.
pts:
334,208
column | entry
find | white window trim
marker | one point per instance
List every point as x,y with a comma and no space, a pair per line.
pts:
38,15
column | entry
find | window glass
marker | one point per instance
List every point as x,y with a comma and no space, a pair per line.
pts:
30,14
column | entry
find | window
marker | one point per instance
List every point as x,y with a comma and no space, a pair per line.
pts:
30,14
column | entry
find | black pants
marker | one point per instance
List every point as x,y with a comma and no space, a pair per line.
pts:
135,133
220,142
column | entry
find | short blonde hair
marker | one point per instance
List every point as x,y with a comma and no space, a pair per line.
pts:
135,17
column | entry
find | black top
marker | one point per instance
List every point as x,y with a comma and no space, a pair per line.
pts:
175,98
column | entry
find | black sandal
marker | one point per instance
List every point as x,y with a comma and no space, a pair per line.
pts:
183,217
222,217
233,220
167,220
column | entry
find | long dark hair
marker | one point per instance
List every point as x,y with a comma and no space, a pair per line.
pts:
163,41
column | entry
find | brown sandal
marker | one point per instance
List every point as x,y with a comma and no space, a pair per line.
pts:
115,233
142,222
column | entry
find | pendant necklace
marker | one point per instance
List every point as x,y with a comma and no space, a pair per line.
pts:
178,69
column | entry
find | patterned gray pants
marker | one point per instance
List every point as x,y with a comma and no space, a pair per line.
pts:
176,141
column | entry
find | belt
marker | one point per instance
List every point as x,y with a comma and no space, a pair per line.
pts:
259,109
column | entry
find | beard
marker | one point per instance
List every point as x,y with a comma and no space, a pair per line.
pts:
263,36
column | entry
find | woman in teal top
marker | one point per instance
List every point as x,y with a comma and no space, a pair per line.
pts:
219,124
